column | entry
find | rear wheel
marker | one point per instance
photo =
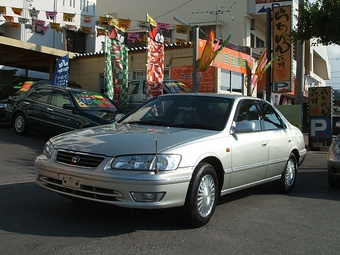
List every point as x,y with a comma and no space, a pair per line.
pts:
287,181
202,196
20,124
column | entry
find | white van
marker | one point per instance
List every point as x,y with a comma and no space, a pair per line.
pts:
137,91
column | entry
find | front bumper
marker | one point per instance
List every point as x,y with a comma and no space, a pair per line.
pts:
116,187
333,167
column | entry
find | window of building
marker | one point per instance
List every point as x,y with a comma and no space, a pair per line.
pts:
256,42
76,42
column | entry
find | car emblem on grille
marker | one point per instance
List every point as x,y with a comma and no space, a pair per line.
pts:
75,159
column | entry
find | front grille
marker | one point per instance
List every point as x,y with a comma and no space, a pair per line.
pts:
84,191
78,159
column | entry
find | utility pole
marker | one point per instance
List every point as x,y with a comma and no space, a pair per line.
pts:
300,66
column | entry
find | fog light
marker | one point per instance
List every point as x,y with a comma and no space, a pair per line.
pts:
147,197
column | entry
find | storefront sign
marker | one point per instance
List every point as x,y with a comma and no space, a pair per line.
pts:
282,73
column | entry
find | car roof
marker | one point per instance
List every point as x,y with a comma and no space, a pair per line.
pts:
221,95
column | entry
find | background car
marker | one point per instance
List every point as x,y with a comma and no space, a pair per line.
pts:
333,161
137,91
53,109
18,86
178,150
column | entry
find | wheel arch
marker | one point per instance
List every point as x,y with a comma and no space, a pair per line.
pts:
297,156
216,163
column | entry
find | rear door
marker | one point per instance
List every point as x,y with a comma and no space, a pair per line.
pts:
62,119
279,140
34,105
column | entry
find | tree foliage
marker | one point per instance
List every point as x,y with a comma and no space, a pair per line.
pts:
319,20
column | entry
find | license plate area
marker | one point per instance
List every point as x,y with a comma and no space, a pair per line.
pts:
70,181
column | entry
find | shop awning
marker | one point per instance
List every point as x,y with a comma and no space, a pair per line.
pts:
29,56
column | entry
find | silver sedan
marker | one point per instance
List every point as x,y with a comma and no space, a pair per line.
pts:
178,150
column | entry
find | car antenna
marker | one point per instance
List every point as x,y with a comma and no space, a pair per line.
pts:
156,158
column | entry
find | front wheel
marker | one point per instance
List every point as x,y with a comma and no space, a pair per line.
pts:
287,181
20,124
202,196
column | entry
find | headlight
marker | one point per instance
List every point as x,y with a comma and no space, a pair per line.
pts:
48,149
3,105
147,162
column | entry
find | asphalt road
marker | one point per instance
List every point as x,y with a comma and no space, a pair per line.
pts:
253,221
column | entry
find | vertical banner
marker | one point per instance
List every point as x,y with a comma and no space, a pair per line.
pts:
119,63
320,112
282,67
108,69
155,61
60,76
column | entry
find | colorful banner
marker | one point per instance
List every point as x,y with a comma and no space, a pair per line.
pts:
2,10
282,73
61,70
108,70
119,64
104,21
56,27
181,29
100,31
87,19
86,30
68,17
23,20
210,51
34,13
155,60
17,11
228,59
51,15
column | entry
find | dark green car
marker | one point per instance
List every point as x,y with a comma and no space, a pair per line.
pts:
53,109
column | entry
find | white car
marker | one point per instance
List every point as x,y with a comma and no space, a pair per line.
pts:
178,150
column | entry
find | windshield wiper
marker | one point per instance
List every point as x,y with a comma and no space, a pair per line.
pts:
150,122
197,125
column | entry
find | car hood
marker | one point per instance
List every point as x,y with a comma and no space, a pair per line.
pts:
117,139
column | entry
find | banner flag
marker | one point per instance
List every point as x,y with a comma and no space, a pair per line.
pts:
60,77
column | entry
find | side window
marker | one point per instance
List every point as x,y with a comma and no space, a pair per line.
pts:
249,111
59,98
133,88
40,95
271,119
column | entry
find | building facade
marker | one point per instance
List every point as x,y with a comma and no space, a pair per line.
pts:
73,26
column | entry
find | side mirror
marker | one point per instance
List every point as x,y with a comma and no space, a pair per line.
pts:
69,107
119,116
243,127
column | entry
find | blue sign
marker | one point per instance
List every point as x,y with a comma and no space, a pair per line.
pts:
320,127
60,77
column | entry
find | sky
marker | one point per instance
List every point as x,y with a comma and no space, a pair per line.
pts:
334,61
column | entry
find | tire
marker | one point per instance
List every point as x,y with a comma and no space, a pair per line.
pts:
20,124
333,183
288,178
202,196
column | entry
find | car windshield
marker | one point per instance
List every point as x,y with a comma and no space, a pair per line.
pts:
189,111
177,87
92,101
